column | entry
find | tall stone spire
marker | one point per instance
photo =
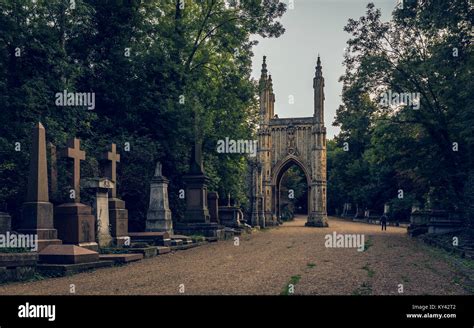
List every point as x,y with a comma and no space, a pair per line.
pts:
264,91
271,111
318,86
263,76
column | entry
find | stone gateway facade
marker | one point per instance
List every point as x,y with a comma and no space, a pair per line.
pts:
282,143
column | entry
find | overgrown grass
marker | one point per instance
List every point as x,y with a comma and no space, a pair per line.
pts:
198,237
14,250
36,277
368,243
442,254
370,272
463,266
293,281
364,289
107,250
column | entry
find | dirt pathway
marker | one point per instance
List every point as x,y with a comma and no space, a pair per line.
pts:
267,261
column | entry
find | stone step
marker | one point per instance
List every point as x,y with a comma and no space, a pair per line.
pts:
182,237
146,251
176,242
121,258
149,234
156,238
165,242
163,249
58,270
67,254
140,244
18,259
183,247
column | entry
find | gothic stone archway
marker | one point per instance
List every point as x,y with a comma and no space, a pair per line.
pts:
283,142
279,172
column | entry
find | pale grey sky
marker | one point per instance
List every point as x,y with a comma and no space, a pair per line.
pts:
312,27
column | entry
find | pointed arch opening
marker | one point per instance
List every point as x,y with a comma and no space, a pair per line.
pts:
293,195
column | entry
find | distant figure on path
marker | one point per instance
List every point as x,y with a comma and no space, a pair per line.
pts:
383,222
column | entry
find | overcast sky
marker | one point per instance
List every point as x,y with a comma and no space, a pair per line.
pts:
312,27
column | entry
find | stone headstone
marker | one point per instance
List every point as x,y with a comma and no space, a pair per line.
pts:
118,214
197,219
359,214
5,223
419,220
415,208
386,208
76,225
213,204
230,216
159,215
74,152
101,208
111,168
118,217
366,214
75,221
37,212
347,210
196,199
196,189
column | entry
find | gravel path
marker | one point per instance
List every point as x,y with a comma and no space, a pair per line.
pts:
266,262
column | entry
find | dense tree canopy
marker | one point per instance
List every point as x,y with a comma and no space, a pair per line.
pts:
427,152
153,66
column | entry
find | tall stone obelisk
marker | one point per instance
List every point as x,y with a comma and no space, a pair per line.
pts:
37,212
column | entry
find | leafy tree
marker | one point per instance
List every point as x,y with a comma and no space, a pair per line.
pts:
426,152
294,181
159,72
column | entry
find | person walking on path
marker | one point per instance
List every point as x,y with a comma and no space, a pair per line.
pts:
383,222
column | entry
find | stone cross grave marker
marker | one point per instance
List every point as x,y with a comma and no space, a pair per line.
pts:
111,168
74,151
